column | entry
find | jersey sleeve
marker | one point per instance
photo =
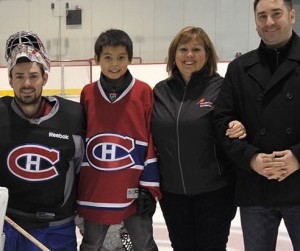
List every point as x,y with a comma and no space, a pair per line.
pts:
150,176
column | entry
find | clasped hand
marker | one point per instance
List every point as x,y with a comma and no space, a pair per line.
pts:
277,165
236,130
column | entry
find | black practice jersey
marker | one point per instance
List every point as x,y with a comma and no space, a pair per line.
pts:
39,160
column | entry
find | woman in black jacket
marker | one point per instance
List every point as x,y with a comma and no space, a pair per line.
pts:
197,179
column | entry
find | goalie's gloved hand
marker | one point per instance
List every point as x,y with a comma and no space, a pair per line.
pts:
146,204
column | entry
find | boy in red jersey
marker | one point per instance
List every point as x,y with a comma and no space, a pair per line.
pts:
119,179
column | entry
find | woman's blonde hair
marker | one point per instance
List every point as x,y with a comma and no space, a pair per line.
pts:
185,35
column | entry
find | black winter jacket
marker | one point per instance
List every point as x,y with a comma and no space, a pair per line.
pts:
190,159
269,107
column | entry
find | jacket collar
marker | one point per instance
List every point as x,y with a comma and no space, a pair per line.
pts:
195,78
259,71
293,53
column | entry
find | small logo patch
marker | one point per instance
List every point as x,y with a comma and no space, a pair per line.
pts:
203,103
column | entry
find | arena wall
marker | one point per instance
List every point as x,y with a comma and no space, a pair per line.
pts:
69,79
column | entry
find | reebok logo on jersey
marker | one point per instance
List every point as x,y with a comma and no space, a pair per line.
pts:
58,135
203,103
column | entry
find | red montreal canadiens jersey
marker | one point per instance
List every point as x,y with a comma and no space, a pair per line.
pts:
120,155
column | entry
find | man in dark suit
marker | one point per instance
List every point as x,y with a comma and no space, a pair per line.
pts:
262,90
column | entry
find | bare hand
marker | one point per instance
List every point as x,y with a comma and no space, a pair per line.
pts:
291,163
268,165
236,130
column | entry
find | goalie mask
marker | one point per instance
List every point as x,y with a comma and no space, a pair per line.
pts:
26,46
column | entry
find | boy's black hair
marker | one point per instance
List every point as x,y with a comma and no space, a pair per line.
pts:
288,3
114,37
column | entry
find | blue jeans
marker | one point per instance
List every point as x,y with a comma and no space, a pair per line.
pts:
199,222
260,226
139,229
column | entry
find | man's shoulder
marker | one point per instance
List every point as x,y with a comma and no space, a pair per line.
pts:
63,100
66,106
247,59
5,101
248,55
6,98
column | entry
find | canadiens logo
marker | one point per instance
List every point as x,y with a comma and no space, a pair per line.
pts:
203,103
26,162
110,152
